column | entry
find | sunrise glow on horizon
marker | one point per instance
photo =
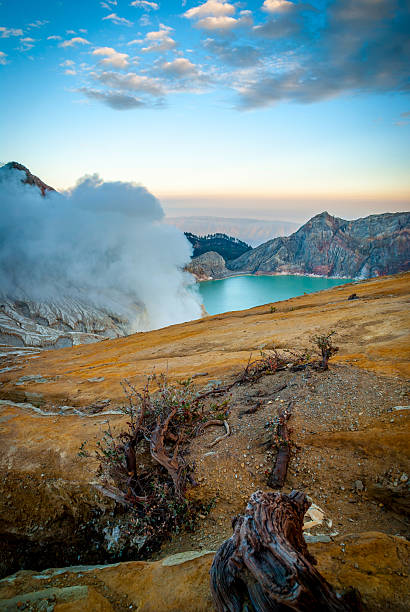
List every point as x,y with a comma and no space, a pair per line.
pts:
255,107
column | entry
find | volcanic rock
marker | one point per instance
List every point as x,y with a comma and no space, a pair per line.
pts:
208,266
330,246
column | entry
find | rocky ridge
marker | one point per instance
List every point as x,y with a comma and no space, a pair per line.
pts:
330,246
208,266
57,324
29,179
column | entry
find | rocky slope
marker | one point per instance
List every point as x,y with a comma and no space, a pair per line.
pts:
208,266
57,324
329,246
350,452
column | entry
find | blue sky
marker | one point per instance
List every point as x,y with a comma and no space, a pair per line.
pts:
270,108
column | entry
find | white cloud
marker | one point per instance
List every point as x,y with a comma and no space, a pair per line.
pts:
67,63
112,57
54,37
38,23
211,8
3,60
271,6
26,43
117,20
77,40
109,4
129,82
145,4
160,40
7,32
180,67
70,71
217,23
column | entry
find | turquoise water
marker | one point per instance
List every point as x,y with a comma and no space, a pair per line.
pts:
241,292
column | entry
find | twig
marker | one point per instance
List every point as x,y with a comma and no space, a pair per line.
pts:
228,431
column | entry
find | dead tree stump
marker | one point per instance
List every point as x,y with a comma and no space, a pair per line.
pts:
266,567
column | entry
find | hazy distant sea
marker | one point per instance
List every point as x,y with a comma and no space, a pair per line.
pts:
241,292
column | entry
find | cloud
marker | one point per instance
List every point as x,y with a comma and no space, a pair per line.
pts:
217,23
39,23
54,37
136,41
405,119
217,15
67,63
77,40
116,101
26,43
8,32
3,60
118,20
112,57
159,40
234,54
145,4
211,8
101,244
180,67
109,4
70,71
272,6
357,46
130,82
213,15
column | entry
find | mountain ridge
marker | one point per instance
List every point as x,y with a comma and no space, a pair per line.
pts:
330,246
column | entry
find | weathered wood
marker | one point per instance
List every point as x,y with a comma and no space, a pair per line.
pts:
266,567
277,477
226,434
174,464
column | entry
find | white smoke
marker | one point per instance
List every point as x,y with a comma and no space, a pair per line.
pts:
103,243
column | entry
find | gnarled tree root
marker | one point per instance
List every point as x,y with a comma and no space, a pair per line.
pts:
265,566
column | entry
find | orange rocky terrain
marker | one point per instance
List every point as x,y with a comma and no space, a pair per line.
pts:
350,450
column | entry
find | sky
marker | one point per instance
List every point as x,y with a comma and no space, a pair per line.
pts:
262,108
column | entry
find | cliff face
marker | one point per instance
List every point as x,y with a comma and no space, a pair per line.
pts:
208,266
329,246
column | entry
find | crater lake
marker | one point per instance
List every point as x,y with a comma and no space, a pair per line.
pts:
242,292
